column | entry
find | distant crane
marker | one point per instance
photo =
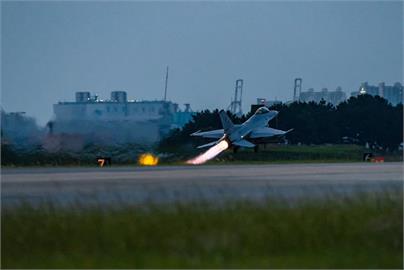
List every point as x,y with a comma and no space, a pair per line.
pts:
235,106
297,88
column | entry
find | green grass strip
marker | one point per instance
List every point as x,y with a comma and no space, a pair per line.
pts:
361,232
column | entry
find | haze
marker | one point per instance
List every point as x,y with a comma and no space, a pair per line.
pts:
52,49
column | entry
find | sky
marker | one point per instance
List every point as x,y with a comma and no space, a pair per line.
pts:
50,50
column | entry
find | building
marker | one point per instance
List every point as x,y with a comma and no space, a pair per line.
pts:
181,118
393,93
333,97
267,103
263,102
19,129
117,120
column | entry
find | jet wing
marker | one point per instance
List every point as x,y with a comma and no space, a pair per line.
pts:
265,132
213,134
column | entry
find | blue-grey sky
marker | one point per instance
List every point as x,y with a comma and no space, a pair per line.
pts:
52,49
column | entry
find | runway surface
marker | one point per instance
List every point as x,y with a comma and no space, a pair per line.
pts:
163,184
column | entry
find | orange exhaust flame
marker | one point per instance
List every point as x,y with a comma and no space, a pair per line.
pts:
148,160
211,153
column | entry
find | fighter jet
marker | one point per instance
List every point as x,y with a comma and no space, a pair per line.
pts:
253,131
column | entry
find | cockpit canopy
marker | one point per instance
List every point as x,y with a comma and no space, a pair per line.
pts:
262,110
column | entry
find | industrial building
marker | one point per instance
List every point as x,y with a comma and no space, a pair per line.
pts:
19,129
263,102
267,103
393,93
118,120
333,97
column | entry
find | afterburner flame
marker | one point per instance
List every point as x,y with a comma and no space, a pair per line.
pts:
148,160
211,153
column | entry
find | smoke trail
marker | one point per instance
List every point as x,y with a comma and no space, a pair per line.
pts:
211,153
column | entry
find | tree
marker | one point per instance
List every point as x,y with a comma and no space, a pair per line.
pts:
367,118
371,119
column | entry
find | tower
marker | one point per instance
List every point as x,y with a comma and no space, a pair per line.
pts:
297,88
235,105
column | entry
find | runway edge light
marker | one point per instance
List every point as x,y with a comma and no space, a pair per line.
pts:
148,159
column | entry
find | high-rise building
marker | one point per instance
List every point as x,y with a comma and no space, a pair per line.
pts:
333,97
392,93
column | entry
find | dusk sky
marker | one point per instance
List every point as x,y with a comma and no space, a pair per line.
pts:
50,50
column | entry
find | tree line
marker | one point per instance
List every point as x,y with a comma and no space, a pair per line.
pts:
359,120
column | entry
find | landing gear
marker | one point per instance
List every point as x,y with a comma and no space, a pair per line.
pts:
256,148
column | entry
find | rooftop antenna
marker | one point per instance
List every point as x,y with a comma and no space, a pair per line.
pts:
165,88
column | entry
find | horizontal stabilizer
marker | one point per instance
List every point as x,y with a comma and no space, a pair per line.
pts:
196,133
286,132
207,145
212,134
244,143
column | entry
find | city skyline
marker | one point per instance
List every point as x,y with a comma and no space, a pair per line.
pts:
50,50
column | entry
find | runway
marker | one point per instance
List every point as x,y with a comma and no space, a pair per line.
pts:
163,184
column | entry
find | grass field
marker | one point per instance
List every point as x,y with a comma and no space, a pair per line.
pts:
290,153
361,232
128,155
